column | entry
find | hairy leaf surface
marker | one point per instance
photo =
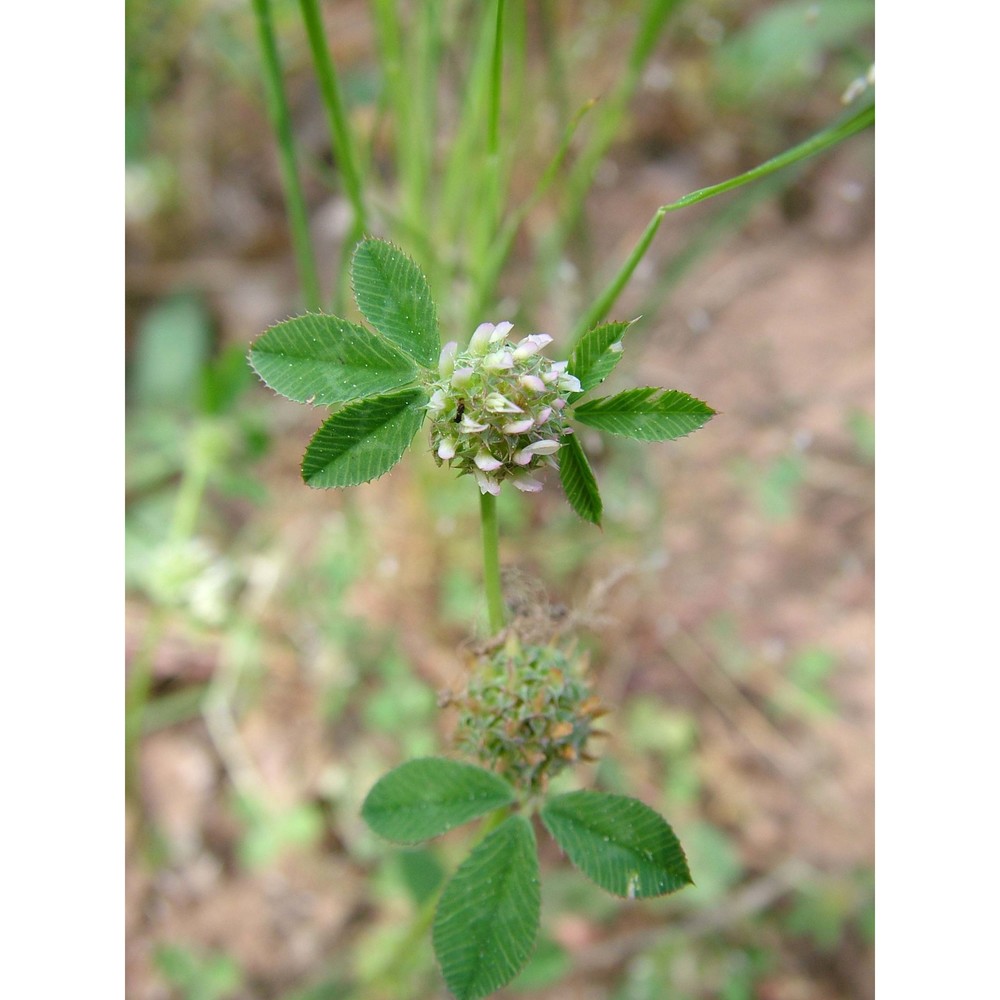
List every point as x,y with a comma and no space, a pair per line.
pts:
487,919
364,440
578,480
596,356
618,842
429,796
647,414
326,360
393,295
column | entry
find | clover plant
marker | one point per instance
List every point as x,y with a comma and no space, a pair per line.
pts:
499,411
489,404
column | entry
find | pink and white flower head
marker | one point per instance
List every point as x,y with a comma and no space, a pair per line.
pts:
496,410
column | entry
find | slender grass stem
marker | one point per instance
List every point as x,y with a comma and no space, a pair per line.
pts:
462,168
608,123
486,220
821,141
496,80
725,221
491,562
404,106
488,274
281,120
555,62
344,146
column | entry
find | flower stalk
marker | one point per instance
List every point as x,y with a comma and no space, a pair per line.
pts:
491,562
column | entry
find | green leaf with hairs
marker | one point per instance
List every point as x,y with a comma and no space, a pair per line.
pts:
646,414
618,842
392,293
325,360
364,440
594,358
426,797
487,919
578,480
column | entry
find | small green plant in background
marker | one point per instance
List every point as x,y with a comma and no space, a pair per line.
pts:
191,439
196,975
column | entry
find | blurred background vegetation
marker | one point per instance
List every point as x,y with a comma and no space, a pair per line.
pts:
285,646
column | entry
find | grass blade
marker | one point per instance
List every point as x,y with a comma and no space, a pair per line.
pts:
281,120
818,143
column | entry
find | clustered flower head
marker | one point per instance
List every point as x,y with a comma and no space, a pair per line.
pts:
497,409
527,713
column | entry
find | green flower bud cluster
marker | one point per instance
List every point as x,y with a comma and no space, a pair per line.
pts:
527,713
497,410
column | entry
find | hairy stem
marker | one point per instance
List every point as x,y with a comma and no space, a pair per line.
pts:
491,562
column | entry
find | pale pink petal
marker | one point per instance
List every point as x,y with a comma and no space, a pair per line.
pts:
526,485
487,484
518,426
485,461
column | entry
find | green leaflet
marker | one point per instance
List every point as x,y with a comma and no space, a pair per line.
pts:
394,297
487,919
364,440
647,414
326,360
618,842
429,796
578,480
596,356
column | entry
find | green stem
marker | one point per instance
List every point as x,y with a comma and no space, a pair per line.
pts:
404,106
496,79
491,562
329,88
489,217
342,140
487,275
610,116
281,120
823,140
